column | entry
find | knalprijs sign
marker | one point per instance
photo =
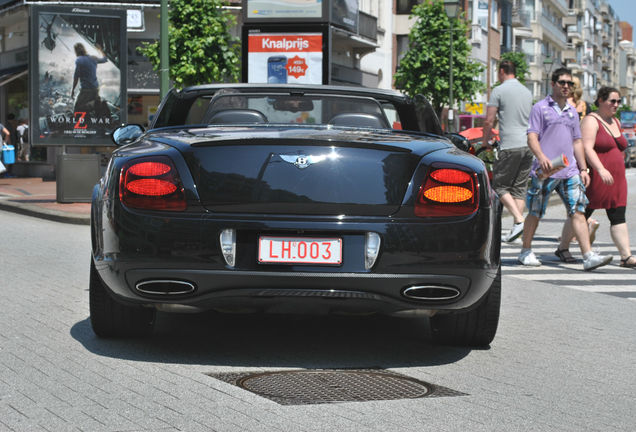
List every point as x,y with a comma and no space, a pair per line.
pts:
279,58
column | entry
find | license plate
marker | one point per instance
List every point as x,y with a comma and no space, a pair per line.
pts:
299,250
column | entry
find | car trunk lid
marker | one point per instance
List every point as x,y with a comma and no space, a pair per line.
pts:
305,172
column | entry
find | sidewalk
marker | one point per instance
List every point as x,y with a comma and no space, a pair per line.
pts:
34,197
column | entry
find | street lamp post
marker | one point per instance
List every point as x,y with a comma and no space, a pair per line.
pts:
452,8
547,66
164,50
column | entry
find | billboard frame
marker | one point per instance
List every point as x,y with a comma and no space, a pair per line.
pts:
59,124
291,29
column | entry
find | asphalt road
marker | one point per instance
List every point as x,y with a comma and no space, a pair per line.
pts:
563,359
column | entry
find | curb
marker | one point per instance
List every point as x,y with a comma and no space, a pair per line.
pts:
35,211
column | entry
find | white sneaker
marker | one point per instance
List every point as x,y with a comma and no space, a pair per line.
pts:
515,232
528,258
595,260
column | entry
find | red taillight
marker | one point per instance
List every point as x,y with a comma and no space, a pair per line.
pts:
452,176
149,169
151,183
151,187
448,192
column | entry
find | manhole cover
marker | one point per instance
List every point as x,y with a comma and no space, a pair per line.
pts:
328,386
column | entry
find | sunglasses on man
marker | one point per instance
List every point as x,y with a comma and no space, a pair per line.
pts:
563,83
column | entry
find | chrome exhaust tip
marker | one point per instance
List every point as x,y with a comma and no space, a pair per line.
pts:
431,292
165,287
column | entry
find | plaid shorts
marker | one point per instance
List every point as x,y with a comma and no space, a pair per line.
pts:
571,190
511,171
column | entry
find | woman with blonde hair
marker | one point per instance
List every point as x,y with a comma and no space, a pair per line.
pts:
575,99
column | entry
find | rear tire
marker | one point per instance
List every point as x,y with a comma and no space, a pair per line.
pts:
474,328
112,319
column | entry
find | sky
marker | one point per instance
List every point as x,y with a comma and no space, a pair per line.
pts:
626,11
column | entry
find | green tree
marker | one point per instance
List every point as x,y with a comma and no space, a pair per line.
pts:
622,108
201,48
425,68
520,62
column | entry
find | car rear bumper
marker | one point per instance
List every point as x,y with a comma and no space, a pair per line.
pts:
459,257
304,292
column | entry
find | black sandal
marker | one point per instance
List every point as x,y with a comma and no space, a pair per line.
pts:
565,256
625,263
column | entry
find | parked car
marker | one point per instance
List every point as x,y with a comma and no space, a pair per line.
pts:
630,153
299,199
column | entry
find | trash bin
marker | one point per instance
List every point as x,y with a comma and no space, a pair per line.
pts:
8,154
76,174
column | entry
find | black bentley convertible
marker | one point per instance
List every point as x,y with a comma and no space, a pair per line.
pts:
295,199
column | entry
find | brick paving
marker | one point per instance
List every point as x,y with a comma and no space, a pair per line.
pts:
563,359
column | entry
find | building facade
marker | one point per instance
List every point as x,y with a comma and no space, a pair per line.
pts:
584,35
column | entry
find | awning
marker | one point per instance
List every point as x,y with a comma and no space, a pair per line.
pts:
8,75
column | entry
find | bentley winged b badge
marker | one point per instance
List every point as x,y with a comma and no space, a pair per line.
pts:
302,161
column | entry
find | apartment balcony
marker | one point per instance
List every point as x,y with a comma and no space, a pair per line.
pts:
559,5
570,20
574,66
568,54
521,18
554,32
574,33
368,26
363,42
477,35
606,11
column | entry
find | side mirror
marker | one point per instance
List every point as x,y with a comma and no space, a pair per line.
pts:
459,141
127,134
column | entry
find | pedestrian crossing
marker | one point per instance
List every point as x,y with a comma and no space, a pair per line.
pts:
611,279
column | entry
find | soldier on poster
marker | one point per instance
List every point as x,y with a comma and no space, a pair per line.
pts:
88,99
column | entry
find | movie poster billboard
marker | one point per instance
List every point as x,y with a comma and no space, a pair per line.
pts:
281,58
78,74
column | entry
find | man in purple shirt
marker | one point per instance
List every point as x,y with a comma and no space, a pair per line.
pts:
553,133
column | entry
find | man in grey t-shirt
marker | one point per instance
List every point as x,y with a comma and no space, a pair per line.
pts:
511,102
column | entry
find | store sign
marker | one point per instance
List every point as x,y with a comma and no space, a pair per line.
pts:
78,80
284,9
474,108
279,58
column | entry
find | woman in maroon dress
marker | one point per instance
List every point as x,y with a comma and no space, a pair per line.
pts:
604,144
